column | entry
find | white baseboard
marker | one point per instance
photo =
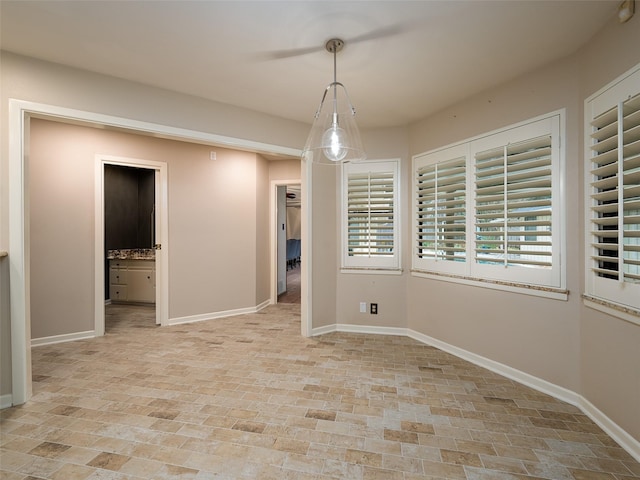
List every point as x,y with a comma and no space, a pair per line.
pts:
262,305
519,376
323,330
70,337
6,401
371,329
67,337
622,438
626,441
215,315
345,327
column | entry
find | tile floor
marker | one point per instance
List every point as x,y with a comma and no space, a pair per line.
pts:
248,398
293,293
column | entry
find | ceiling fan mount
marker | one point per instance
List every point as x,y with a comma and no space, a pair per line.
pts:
334,45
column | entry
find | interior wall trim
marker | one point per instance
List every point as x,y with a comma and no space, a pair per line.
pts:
624,439
351,328
161,263
67,337
621,436
201,317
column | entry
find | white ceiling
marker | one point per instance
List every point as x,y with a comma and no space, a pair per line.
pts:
424,55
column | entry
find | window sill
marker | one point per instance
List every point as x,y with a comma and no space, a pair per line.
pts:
628,314
536,291
371,271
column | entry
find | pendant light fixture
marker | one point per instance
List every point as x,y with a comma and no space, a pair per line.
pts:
334,136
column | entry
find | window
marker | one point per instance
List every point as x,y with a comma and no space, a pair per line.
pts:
513,196
488,209
613,189
370,215
440,229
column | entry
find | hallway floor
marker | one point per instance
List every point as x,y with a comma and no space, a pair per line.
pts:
292,295
248,398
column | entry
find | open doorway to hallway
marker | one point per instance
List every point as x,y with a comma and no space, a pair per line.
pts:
288,239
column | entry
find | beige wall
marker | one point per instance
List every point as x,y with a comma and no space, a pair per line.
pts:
539,336
592,354
218,221
33,80
388,291
285,170
324,261
610,347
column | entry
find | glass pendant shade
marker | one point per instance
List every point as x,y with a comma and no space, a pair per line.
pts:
334,135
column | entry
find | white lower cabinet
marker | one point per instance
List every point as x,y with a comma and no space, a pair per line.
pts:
132,281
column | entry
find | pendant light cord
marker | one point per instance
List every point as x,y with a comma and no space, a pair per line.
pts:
335,65
335,89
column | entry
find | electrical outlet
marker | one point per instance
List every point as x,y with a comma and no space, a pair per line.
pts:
363,307
374,309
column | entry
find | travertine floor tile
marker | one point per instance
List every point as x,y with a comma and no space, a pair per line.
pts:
249,398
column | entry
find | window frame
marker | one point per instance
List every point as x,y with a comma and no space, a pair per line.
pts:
612,296
371,264
534,281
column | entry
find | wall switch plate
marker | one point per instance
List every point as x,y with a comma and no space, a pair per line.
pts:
374,309
363,307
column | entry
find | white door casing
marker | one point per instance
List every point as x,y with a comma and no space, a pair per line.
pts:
161,236
281,238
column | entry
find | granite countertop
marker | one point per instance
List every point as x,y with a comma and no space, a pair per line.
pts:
131,254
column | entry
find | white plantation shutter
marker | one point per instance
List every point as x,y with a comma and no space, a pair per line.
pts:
370,214
440,195
614,193
631,192
605,218
513,204
488,208
370,224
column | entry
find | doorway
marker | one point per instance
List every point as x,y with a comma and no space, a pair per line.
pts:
130,228
20,113
286,242
129,238
289,243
